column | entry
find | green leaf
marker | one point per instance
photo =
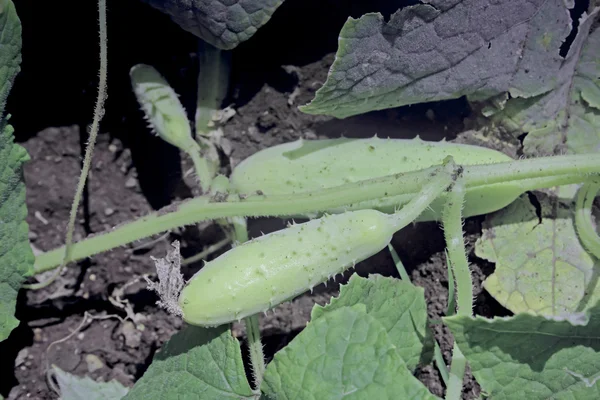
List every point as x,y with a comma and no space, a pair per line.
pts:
222,23
16,257
196,363
444,50
73,387
566,117
346,354
398,305
532,357
10,49
540,268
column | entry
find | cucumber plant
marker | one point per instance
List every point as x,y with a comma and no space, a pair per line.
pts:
358,192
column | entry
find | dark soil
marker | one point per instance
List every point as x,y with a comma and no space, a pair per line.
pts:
135,173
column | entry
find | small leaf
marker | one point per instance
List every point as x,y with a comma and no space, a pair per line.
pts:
73,387
224,24
398,305
344,354
196,363
442,50
16,257
540,267
161,106
532,357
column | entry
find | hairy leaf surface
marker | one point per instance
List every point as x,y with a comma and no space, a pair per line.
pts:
343,354
533,357
541,268
445,49
196,363
222,23
16,256
399,306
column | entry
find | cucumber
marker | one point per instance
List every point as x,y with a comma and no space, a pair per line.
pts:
307,165
264,272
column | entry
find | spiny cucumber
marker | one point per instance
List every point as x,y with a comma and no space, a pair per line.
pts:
264,272
307,165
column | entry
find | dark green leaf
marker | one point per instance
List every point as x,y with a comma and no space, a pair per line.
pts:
222,23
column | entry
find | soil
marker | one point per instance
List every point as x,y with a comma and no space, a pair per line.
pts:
135,173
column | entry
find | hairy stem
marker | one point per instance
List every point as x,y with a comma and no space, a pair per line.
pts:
203,172
438,184
455,245
561,169
553,167
98,114
203,208
583,217
457,259
257,357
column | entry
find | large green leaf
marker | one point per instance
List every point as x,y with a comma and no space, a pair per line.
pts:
541,268
565,118
398,305
196,363
533,357
16,257
343,354
445,49
222,23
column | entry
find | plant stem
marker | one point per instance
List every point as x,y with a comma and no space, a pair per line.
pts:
456,376
438,183
457,258
455,245
583,217
451,291
98,114
257,357
554,169
439,361
203,173
213,81
208,251
399,266
203,208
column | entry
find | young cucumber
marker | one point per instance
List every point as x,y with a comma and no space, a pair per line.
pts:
266,271
303,166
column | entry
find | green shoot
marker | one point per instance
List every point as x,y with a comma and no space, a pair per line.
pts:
574,168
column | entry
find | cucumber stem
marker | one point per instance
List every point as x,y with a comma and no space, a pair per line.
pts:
554,170
201,167
438,184
457,259
204,208
455,247
257,357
